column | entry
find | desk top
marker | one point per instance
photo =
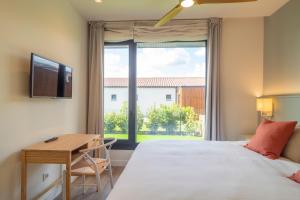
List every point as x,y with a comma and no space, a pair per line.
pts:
67,142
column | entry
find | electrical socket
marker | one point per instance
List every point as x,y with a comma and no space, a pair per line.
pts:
45,176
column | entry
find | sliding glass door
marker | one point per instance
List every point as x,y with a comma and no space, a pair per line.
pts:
116,92
171,91
154,91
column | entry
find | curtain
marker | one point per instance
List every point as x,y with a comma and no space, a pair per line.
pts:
213,129
144,31
175,30
118,31
95,78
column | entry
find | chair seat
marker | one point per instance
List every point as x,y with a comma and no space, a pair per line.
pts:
84,167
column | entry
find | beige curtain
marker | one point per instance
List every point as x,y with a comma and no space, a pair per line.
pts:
118,31
144,31
175,30
213,126
95,78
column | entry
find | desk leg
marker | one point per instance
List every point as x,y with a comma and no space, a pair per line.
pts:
64,185
23,176
68,179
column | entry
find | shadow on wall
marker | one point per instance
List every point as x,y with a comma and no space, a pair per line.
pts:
18,77
13,177
287,108
13,163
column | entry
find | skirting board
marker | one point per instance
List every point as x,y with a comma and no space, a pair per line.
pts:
120,157
119,163
53,190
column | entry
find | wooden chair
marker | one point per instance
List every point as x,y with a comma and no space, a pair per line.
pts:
87,165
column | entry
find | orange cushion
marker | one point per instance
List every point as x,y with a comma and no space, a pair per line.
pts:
296,177
271,137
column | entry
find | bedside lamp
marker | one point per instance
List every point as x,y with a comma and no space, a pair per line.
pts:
265,107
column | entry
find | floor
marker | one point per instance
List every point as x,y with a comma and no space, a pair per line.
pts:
90,193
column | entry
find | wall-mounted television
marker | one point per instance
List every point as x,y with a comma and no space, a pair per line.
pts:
49,78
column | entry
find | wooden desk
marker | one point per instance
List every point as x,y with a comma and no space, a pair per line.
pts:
56,152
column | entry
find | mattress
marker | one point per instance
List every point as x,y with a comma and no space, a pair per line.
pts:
192,170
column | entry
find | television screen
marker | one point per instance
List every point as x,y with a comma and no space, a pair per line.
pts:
50,78
65,81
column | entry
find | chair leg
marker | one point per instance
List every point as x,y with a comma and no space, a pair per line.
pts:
98,181
110,176
83,183
64,185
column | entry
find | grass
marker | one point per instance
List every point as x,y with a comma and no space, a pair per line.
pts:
141,138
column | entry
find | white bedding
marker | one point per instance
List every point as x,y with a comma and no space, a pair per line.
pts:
190,170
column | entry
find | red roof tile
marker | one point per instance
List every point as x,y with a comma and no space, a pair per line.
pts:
157,82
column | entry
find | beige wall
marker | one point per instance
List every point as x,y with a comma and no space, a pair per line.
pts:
282,50
241,75
52,29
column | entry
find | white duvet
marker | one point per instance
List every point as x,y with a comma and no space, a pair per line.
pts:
190,170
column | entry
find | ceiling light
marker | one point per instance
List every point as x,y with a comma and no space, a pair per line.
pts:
98,1
187,3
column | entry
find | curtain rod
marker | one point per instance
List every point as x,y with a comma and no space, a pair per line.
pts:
148,20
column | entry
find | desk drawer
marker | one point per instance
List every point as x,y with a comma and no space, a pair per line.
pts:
54,157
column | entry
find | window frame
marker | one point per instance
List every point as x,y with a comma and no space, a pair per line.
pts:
131,143
168,99
113,97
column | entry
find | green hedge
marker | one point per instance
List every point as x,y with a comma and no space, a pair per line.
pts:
164,117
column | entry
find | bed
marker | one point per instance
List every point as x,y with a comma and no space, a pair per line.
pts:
191,170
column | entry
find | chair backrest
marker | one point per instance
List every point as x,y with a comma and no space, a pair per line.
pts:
98,145
101,146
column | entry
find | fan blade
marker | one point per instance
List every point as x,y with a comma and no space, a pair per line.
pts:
222,1
171,14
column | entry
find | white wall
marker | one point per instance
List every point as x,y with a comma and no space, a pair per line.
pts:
55,30
114,106
241,75
147,97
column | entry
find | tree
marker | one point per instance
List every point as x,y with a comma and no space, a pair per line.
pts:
191,123
139,118
122,118
110,122
169,117
189,119
153,116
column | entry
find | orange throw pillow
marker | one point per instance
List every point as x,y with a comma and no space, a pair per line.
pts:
296,177
271,137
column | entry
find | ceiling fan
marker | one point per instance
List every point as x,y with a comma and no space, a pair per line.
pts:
188,3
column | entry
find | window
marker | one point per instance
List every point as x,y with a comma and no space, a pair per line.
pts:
113,97
160,88
168,97
116,91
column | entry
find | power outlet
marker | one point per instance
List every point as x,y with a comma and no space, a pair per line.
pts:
45,176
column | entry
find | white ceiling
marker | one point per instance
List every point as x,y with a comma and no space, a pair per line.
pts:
111,10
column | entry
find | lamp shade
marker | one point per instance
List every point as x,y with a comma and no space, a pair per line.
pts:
265,106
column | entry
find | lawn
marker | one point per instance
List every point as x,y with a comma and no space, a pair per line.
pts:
141,138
